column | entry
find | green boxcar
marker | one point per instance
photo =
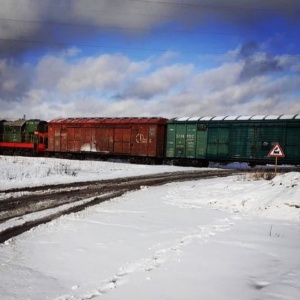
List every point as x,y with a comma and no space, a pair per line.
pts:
233,139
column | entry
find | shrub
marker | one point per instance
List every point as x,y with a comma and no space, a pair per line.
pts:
257,175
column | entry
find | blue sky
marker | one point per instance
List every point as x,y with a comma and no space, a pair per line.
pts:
113,58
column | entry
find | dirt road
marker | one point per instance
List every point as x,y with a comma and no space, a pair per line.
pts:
24,204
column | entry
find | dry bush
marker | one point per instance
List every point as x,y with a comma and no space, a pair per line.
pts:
257,175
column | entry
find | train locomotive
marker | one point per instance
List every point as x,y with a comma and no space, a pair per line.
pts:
23,137
192,141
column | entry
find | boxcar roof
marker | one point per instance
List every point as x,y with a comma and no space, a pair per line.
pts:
154,120
234,118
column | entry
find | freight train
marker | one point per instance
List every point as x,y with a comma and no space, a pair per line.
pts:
193,141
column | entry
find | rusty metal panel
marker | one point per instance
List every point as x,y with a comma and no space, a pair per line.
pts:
110,141
121,140
71,145
160,140
143,140
118,135
57,140
70,133
70,139
77,134
57,137
128,136
135,140
86,134
86,139
98,137
54,135
50,137
118,143
126,145
118,147
93,140
153,140
141,143
63,141
104,140
77,146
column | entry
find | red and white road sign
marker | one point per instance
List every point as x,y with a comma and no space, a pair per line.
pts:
276,151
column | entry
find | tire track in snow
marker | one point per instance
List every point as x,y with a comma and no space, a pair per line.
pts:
158,258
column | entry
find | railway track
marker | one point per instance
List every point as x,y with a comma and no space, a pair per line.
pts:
29,207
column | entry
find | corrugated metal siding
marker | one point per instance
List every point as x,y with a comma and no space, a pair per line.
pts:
170,144
120,136
180,140
201,141
231,138
57,137
191,138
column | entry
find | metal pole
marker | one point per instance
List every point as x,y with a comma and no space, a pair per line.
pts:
275,165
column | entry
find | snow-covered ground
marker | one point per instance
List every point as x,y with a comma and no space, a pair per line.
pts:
20,171
221,238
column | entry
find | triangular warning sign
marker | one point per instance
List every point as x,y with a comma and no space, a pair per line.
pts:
276,151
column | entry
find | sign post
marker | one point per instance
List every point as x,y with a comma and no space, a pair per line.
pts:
276,152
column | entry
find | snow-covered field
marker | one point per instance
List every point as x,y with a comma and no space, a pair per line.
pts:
19,171
221,238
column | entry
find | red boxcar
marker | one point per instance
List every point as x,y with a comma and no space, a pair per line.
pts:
141,139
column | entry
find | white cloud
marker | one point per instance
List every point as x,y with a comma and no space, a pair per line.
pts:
167,56
71,52
50,70
160,82
105,72
115,86
216,79
15,78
